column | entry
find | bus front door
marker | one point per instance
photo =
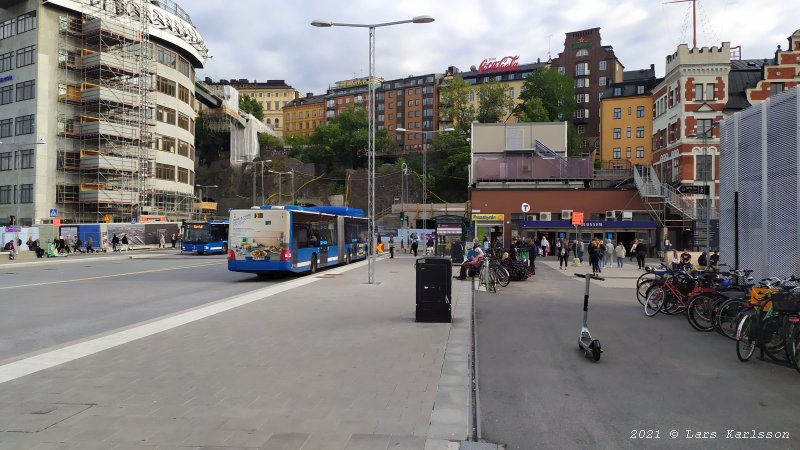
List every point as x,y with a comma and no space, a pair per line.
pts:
323,255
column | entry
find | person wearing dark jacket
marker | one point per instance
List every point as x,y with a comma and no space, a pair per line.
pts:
641,252
563,255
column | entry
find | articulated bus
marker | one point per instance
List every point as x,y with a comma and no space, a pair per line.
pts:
271,239
205,237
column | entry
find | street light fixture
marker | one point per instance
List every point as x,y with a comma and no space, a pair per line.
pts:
371,119
425,171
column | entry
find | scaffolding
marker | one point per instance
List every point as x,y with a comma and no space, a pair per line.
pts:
106,155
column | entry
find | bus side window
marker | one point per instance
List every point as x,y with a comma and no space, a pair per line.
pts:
300,237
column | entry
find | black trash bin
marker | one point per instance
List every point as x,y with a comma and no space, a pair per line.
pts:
434,289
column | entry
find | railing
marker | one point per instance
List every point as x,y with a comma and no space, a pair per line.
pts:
530,168
646,182
678,201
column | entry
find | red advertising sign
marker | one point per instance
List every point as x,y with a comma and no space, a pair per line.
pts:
507,63
577,218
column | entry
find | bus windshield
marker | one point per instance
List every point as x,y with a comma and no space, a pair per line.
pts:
203,233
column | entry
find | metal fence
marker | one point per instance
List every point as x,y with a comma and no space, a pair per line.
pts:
530,168
760,187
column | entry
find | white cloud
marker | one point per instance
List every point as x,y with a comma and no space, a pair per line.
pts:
274,40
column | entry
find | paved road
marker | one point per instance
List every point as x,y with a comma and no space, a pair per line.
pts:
538,391
51,302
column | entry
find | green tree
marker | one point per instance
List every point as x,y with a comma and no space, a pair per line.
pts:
251,106
267,141
342,143
493,102
448,165
554,90
210,142
455,105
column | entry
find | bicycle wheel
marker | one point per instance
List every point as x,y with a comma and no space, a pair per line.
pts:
793,345
491,285
503,277
773,339
643,283
726,320
654,301
745,338
699,313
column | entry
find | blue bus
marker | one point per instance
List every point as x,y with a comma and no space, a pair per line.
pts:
271,239
205,237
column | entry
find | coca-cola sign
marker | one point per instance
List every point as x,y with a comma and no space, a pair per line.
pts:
505,64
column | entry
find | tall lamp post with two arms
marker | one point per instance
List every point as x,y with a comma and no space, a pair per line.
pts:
371,119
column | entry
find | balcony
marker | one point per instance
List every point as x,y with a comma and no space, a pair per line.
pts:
110,129
106,60
530,168
103,163
109,95
98,193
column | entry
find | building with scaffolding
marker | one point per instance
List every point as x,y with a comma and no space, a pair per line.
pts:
104,104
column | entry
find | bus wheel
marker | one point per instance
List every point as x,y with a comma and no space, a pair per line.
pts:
313,268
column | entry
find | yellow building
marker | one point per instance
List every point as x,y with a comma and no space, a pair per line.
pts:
303,115
626,120
272,95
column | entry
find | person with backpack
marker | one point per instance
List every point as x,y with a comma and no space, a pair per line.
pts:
563,254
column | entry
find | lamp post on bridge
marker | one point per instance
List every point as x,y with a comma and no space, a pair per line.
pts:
371,120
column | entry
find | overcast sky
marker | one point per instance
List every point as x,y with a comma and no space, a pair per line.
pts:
265,39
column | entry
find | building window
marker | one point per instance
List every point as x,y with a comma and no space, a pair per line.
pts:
628,133
5,161
166,57
5,195
7,29
703,164
617,92
640,90
603,65
5,128
510,93
26,22
640,111
602,81
582,69
703,125
166,144
561,70
184,122
639,132
617,153
675,173
640,152
166,115
579,113
775,88
186,69
26,56
185,95
24,125
6,61
26,159
617,113
581,53
165,172
183,175
26,193
6,95
166,86
581,129
26,90
617,133
710,92
627,152
183,148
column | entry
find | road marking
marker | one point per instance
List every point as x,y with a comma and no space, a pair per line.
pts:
48,359
100,277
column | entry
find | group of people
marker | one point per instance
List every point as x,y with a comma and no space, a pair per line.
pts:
413,244
118,244
519,250
684,260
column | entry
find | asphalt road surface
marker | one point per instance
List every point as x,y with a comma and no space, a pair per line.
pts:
657,376
52,302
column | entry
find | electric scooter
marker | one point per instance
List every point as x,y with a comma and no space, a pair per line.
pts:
591,347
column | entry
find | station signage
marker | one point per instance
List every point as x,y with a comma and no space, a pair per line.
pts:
488,217
697,189
504,64
6,78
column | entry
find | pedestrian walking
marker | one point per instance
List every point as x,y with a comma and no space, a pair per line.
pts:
173,239
641,253
545,246
609,253
485,242
581,250
563,255
162,243
391,246
114,242
595,253
89,243
633,249
429,245
78,245
619,251
124,241
414,244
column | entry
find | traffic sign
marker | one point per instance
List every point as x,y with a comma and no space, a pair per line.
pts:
577,218
56,222
526,207
53,213
693,189
106,218
133,219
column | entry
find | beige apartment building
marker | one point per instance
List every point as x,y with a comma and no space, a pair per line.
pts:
272,95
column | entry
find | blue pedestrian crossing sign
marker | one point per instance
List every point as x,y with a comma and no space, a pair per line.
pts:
53,213
133,219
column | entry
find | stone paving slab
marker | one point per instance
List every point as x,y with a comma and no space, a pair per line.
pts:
337,363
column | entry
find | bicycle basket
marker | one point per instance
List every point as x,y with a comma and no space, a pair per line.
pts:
787,301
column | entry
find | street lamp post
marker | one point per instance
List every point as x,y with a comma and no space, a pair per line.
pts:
280,184
201,186
371,119
425,171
